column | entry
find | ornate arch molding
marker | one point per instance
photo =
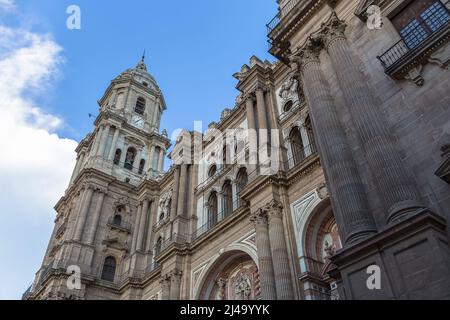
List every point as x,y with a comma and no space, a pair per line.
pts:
220,259
302,210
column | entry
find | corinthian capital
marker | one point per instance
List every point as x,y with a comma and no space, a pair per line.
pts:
333,29
259,218
274,209
308,53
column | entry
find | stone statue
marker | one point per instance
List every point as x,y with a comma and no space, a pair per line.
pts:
243,288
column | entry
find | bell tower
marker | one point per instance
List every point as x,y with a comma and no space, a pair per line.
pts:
118,167
126,142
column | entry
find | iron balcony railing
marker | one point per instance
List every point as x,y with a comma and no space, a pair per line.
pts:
413,40
281,13
217,218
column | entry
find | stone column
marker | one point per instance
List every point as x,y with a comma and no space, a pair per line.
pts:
220,206
112,151
153,212
182,191
250,112
136,228
165,287
97,141
252,134
83,213
350,204
305,139
235,195
278,248
98,209
102,145
176,186
175,285
77,168
266,273
398,188
261,107
161,161
142,225
151,156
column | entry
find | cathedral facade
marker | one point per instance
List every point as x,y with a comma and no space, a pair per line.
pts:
334,161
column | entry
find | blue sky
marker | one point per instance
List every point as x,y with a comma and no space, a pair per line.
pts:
51,78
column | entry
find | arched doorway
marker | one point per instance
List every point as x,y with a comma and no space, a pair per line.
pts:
234,276
321,240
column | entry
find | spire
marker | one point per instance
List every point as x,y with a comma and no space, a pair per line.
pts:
141,65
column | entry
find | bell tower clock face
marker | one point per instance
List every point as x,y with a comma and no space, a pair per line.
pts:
137,121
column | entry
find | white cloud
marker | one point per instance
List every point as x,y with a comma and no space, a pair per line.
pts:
35,163
7,5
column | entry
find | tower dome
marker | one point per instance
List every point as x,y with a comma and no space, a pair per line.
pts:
140,74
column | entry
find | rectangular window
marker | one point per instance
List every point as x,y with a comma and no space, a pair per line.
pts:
419,19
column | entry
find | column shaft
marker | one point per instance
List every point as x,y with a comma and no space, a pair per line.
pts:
136,228
398,188
97,213
161,161
142,225
102,146
182,191
280,257
165,288
176,185
83,214
148,240
97,141
250,113
350,202
262,110
266,273
305,139
175,286
112,151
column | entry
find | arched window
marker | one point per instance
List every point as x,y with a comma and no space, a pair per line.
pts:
241,181
227,198
297,147
158,246
212,210
129,160
140,106
288,106
117,220
109,269
141,166
117,157
212,171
